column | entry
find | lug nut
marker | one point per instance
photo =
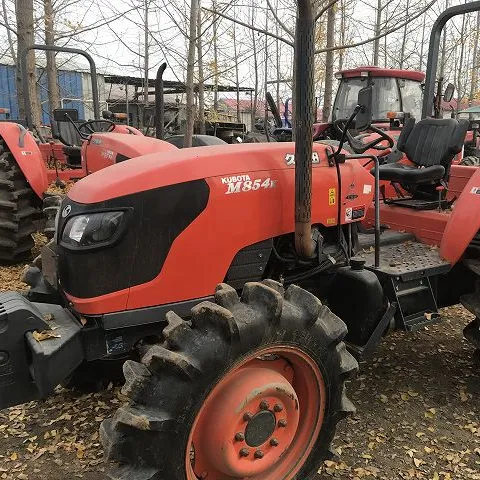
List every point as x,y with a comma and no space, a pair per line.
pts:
244,452
258,454
264,405
274,442
239,437
282,423
247,416
277,408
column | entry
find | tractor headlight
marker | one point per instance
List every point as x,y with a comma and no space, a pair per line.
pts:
92,229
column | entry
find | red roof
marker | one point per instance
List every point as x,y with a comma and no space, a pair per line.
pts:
383,72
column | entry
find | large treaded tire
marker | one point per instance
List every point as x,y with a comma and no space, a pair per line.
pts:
17,210
149,436
470,161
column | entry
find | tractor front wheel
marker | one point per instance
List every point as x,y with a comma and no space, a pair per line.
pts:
249,388
17,210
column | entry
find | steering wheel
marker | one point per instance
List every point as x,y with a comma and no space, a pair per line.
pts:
95,126
356,142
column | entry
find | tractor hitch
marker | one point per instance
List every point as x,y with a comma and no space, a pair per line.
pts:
33,364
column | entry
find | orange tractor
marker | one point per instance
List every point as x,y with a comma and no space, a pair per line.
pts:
232,279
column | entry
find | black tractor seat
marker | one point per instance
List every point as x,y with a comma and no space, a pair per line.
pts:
64,130
430,145
411,174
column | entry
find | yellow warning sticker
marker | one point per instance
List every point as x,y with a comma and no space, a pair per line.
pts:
332,194
331,221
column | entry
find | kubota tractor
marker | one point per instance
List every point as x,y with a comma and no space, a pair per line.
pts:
226,275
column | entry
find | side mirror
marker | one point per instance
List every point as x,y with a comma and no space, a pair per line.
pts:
449,91
62,114
364,116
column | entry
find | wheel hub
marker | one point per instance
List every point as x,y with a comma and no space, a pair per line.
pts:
260,428
260,421
252,422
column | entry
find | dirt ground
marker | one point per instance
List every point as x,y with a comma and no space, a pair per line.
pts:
418,416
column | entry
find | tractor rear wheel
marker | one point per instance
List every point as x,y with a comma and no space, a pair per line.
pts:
470,161
17,210
249,388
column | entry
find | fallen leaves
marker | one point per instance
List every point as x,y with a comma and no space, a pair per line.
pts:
44,335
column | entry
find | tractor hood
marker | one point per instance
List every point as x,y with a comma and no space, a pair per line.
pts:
183,165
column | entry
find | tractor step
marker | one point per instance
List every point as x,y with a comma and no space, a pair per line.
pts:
407,260
405,271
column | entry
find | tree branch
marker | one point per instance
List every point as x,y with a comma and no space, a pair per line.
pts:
324,9
384,34
251,27
275,16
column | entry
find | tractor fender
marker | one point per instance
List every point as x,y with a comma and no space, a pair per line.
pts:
464,222
28,156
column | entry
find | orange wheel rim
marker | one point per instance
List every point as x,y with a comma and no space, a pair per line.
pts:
261,420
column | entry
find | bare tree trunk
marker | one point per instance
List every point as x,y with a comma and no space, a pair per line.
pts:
422,45
443,57
404,39
215,57
11,46
378,26
329,65
475,62
343,33
146,56
255,71
201,89
190,89
53,89
266,75
385,41
461,89
237,73
26,38
277,58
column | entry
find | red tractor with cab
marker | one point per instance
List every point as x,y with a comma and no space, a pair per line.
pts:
233,281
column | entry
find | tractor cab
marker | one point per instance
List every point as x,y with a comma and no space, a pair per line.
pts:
397,94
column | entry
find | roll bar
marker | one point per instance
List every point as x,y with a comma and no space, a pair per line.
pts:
433,51
53,48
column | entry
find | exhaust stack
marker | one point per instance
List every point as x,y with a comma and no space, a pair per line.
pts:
303,121
160,103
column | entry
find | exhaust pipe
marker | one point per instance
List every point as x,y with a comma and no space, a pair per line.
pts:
304,95
160,103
